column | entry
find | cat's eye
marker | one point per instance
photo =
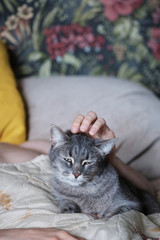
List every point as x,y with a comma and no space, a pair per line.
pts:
86,162
68,160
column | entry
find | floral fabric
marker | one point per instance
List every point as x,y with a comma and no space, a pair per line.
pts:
84,37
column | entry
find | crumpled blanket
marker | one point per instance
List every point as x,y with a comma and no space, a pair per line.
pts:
26,201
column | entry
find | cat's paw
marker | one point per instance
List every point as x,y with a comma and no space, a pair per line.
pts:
69,207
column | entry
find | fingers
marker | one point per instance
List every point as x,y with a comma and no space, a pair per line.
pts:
82,123
88,121
92,125
100,130
98,124
77,123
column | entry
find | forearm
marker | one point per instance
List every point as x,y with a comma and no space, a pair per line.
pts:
136,178
39,145
36,234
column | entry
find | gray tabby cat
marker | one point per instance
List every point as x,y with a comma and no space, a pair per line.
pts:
84,181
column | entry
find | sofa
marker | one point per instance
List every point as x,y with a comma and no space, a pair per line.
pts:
48,91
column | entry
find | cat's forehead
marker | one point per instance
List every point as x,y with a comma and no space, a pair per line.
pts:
80,145
79,151
81,140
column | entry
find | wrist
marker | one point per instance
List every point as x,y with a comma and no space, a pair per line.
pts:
112,158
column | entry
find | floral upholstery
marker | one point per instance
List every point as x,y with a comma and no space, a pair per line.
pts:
84,37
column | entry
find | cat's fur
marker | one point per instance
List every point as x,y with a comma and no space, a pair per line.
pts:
84,181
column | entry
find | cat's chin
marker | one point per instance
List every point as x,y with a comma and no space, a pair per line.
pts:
75,182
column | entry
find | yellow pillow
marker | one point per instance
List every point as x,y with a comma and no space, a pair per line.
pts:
12,114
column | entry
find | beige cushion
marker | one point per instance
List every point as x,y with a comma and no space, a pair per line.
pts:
131,110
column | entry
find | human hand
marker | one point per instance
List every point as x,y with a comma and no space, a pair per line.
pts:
98,129
92,125
36,234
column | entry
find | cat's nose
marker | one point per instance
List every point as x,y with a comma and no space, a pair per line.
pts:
76,174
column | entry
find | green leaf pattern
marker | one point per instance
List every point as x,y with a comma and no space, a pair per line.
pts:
81,37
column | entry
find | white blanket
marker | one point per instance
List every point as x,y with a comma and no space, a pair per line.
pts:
26,201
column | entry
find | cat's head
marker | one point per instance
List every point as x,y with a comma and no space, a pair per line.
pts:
77,158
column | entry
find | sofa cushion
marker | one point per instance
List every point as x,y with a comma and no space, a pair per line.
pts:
131,110
119,38
12,113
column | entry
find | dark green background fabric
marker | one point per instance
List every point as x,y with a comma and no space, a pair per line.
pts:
84,37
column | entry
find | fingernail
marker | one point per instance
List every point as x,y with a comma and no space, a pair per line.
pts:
83,128
74,129
92,131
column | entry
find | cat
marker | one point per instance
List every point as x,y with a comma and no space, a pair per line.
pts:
85,182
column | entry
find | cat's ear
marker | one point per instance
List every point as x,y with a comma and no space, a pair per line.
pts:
105,145
57,135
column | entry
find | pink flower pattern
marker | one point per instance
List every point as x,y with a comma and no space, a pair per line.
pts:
115,8
154,42
66,39
156,16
